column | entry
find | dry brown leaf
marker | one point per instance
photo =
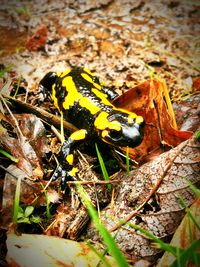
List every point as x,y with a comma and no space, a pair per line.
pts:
27,193
196,85
149,99
28,149
163,212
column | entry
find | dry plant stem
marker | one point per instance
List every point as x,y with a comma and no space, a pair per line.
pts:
55,120
169,103
10,173
13,175
179,57
92,182
97,201
155,188
12,116
188,62
56,132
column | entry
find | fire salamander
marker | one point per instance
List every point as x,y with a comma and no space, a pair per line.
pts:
80,97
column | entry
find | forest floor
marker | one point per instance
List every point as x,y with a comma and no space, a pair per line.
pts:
123,42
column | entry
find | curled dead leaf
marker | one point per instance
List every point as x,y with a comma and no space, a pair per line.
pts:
150,100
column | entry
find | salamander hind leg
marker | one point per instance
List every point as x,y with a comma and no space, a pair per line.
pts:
65,170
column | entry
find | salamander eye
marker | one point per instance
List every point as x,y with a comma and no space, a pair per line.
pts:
115,134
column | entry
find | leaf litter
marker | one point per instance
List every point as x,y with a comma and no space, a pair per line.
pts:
119,44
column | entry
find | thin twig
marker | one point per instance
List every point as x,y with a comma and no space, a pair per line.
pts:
41,113
92,182
12,116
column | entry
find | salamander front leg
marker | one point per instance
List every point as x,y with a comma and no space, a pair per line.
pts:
65,170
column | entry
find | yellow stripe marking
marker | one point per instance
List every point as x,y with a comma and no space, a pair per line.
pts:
72,94
70,159
78,135
102,123
54,97
58,73
92,74
89,79
102,96
131,115
64,73
89,105
88,71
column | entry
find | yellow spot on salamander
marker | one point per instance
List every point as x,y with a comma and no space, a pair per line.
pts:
54,97
64,73
130,120
89,105
132,117
114,125
78,135
104,133
139,119
102,123
58,73
72,94
89,79
73,171
102,96
70,159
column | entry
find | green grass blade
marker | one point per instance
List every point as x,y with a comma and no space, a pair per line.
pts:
17,89
127,161
178,257
101,257
194,188
196,259
158,241
190,230
197,134
106,236
62,127
16,200
187,254
103,167
6,69
189,213
48,213
6,154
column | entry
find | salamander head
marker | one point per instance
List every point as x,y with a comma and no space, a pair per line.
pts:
121,128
